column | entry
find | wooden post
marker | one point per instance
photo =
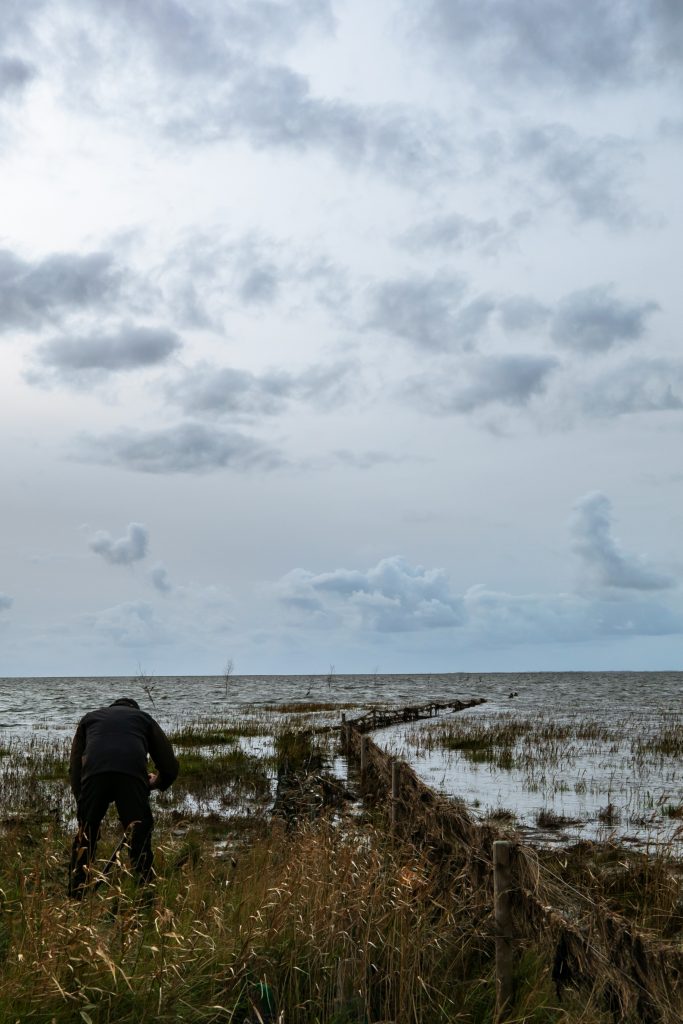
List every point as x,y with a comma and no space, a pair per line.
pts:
363,758
502,884
344,733
395,780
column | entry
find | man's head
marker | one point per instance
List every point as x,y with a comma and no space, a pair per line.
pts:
127,702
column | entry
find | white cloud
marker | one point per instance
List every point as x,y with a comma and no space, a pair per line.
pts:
130,548
184,448
501,619
391,597
185,618
395,597
619,388
131,624
601,556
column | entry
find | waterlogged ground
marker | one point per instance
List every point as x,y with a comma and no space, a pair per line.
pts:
562,776
563,755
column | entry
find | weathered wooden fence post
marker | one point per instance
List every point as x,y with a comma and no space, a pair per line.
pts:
395,782
363,758
502,885
344,733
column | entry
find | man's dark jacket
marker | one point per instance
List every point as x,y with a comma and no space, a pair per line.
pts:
119,739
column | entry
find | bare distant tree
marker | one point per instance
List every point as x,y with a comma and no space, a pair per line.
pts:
227,673
145,681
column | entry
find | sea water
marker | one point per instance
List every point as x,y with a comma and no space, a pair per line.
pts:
581,786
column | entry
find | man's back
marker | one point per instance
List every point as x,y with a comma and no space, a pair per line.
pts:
119,739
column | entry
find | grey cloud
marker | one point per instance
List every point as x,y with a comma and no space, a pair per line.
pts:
583,45
392,597
590,174
160,579
428,312
600,554
273,106
521,313
208,389
15,74
32,294
6,602
130,548
79,360
209,81
206,38
454,232
632,386
184,448
260,285
252,271
327,386
509,380
593,320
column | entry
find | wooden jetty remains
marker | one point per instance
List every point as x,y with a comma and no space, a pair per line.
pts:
380,718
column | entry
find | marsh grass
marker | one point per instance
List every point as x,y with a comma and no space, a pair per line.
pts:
197,735
622,774
308,707
216,732
321,926
646,887
549,819
329,922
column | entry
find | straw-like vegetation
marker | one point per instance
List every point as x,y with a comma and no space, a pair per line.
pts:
315,916
322,926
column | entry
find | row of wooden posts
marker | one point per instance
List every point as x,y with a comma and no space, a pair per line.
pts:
503,880
641,976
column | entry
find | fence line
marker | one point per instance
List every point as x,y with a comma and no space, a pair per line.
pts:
640,974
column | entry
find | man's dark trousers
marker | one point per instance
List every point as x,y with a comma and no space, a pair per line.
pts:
131,796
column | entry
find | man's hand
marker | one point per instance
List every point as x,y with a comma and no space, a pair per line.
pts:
153,780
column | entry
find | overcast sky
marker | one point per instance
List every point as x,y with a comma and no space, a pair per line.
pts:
340,333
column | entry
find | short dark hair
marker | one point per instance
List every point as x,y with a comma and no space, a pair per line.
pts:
127,702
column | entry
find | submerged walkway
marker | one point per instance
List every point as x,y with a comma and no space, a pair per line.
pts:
381,718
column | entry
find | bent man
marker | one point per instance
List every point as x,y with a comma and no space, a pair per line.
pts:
109,765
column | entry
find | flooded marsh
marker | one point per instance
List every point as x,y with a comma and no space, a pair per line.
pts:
276,887
569,776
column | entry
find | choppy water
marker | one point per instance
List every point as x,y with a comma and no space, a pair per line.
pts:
633,703
58,703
